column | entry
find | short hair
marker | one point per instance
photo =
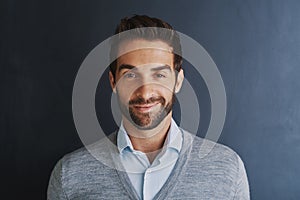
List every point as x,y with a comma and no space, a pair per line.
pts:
136,23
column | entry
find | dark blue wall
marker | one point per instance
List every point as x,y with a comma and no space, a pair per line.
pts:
255,44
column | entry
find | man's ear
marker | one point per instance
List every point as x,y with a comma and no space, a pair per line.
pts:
112,82
180,78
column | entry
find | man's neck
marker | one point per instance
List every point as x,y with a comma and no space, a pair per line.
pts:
149,141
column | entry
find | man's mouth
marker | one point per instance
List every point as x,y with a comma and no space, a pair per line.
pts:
145,107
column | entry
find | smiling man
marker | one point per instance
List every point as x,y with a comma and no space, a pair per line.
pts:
152,157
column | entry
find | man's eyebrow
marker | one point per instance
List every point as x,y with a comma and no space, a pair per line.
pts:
126,66
161,68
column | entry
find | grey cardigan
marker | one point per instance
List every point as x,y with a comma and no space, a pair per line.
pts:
219,174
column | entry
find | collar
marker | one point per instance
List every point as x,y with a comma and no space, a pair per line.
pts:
173,140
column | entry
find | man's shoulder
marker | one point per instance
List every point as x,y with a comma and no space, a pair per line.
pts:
213,169
91,154
82,172
205,150
213,161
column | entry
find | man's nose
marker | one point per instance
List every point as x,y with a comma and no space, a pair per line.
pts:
145,91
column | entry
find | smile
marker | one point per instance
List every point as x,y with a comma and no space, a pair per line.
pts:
145,107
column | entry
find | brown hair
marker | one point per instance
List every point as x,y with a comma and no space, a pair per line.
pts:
141,21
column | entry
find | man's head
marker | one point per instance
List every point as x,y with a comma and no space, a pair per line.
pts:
146,78
136,24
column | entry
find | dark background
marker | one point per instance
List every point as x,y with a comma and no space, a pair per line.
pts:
255,44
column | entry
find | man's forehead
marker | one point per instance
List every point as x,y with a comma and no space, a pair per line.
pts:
141,44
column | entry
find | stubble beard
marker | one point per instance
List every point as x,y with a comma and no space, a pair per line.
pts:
148,120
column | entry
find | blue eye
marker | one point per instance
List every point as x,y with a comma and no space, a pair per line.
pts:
130,75
160,76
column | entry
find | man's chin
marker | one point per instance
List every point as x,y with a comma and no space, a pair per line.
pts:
148,120
144,121
145,124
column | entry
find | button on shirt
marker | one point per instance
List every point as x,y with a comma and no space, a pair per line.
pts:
146,178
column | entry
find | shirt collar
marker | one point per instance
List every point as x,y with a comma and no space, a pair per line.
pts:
123,140
173,140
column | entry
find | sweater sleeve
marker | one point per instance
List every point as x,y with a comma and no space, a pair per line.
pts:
55,188
242,186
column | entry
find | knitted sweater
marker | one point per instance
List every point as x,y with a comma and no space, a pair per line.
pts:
216,174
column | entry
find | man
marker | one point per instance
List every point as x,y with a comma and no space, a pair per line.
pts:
149,157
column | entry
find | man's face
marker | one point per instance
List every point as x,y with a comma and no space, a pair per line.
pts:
146,82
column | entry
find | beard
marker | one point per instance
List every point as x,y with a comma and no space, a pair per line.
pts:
147,120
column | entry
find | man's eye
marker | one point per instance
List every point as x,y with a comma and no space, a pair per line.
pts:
130,75
160,76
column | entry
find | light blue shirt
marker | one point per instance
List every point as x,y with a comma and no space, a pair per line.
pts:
147,178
